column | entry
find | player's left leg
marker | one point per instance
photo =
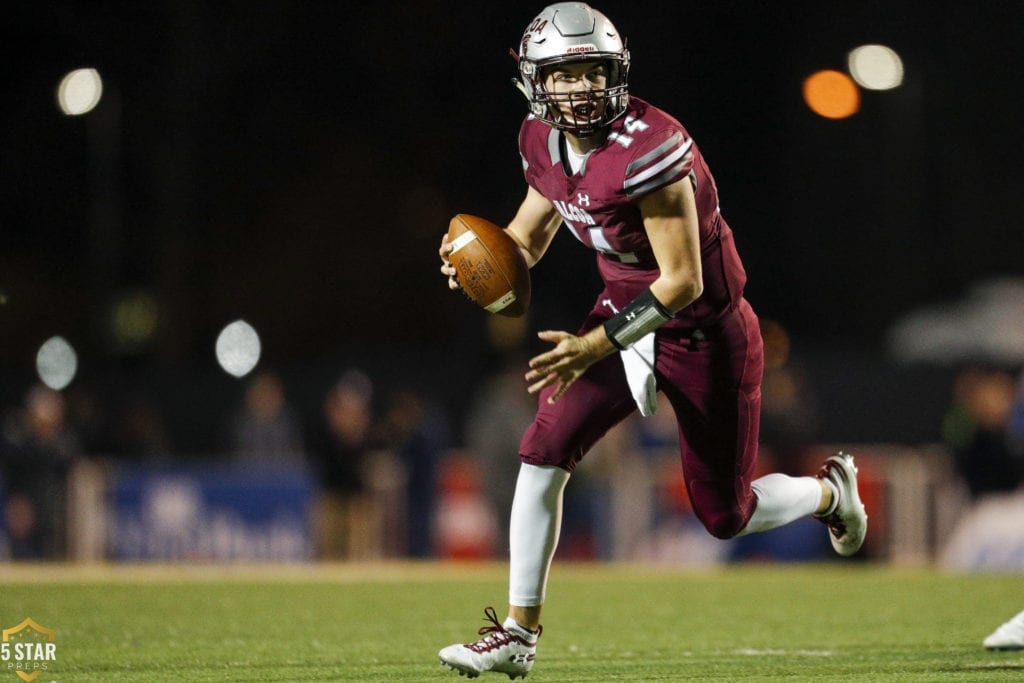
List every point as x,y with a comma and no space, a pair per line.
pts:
714,385
712,379
782,499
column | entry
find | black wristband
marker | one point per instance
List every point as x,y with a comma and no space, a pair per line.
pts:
644,314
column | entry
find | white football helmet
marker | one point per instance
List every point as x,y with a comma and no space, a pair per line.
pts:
569,32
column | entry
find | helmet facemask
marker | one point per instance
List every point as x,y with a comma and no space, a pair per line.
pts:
580,112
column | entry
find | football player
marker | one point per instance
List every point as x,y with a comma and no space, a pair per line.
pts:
630,183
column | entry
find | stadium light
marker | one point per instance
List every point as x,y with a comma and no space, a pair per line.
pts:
875,67
79,91
831,94
56,363
238,348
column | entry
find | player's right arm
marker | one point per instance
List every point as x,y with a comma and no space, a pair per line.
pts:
534,226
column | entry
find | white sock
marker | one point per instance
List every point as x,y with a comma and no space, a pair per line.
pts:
533,532
782,499
521,631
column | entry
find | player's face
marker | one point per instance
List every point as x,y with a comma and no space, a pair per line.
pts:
578,90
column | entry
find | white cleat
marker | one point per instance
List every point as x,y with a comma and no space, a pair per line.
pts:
1009,636
847,521
503,650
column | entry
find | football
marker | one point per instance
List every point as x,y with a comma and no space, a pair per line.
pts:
489,266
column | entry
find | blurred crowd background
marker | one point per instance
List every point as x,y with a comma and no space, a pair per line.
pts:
294,164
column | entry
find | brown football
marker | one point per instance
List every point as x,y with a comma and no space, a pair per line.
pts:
489,266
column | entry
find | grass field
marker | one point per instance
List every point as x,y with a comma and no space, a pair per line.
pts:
834,622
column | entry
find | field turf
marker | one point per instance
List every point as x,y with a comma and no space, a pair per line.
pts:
385,622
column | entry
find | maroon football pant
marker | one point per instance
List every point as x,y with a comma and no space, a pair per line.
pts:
714,387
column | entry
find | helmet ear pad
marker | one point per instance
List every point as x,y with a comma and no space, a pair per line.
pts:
531,84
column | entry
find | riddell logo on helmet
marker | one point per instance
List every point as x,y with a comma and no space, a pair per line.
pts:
576,49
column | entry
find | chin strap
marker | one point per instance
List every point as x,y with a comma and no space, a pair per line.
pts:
521,88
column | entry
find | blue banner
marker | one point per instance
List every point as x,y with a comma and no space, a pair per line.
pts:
210,513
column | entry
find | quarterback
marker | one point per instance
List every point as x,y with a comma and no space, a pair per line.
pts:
630,183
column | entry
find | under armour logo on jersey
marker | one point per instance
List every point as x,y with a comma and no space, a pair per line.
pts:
583,199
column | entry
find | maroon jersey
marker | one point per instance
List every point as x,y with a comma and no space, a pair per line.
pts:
712,380
646,150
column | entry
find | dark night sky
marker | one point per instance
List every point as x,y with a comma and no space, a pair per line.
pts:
295,163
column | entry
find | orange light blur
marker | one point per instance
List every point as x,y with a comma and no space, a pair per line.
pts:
831,94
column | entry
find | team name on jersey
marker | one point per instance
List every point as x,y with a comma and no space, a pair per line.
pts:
573,213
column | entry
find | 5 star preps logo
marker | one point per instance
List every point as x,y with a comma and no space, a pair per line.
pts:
28,650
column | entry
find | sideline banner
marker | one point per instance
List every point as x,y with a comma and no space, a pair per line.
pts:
209,513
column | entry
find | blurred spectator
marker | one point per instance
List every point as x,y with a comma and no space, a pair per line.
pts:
417,432
975,430
789,414
87,415
266,433
499,414
341,516
138,430
1015,422
36,451
789,419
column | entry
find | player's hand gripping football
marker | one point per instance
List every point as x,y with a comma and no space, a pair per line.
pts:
564,364
447,269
